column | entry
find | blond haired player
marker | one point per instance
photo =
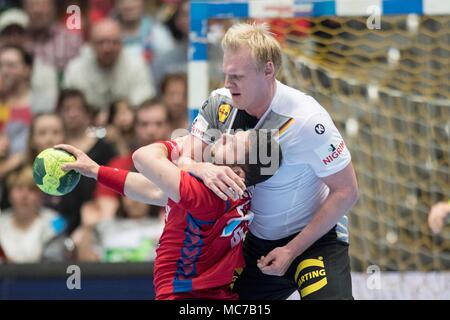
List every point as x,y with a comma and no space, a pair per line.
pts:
298,239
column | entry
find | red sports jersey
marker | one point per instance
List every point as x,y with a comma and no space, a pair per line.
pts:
201,245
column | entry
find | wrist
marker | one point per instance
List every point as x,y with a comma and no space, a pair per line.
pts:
113,178
290,251
199,168
95,170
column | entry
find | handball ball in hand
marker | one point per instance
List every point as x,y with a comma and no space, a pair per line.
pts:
49,176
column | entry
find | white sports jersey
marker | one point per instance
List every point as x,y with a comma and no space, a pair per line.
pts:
312,148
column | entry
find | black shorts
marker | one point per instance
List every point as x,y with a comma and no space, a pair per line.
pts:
321,272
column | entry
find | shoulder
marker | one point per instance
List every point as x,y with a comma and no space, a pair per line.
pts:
5,216
48,214
43,69
217,98
51,219
197,197
221,92
132,61
84,60
295,104
298,111
60,30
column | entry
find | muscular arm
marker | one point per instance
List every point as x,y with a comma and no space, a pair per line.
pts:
137,186
343,195
151,161
217,178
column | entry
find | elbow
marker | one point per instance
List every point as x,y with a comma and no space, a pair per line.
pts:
353,195
138,158
348,195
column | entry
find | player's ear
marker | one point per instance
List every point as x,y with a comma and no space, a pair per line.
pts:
269,70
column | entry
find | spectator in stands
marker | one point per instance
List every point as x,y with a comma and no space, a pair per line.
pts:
438,215
27,226
15,103
77,117
44,79
119,130
176,59
51,40
174,95
105,72
13,26
152,124
141,32
46,131
130,237
99,10
7,165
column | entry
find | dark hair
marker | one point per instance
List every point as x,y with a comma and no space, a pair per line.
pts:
172,77
172,25
73,93
113,108
266,153
152,103
27,57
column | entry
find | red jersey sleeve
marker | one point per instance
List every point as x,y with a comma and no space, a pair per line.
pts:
198,199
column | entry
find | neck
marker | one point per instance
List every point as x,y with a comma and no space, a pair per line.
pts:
24,221
76,134
19,91
131,27
104,67
266,99
179,119
40,32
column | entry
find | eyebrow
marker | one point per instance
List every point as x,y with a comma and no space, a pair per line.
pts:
234,74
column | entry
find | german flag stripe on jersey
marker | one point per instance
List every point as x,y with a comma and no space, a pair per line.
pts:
286,125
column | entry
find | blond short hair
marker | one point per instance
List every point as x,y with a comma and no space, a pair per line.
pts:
258,38
22,177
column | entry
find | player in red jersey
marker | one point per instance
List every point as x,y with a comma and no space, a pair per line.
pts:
201,245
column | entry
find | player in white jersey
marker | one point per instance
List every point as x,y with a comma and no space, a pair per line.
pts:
298,239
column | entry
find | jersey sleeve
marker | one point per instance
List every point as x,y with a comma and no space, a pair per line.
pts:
215,116
205,124
318,143
198,199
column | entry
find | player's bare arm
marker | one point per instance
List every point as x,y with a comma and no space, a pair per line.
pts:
152,162
343,195
137,187
220,179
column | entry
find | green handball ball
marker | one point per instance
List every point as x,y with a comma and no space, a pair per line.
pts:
49,176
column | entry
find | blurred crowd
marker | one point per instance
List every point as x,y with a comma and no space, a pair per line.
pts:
114,84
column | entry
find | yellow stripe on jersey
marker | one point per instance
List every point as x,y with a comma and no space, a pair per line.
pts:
286,125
